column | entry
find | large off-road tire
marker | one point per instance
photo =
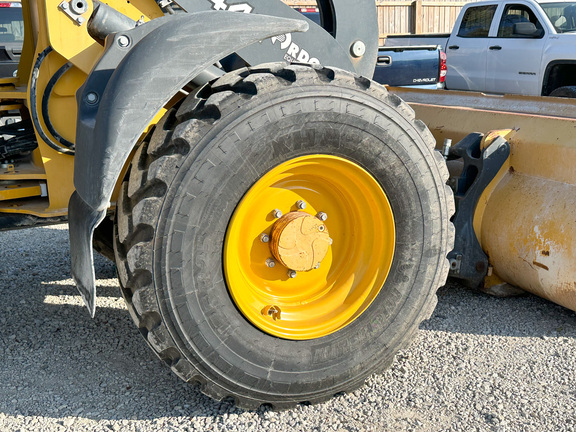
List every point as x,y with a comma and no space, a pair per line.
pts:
196,272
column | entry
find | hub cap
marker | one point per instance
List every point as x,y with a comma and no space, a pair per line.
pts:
299,241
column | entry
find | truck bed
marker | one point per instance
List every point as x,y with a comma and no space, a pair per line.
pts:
421,39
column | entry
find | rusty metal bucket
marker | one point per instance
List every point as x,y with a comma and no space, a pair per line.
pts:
525,219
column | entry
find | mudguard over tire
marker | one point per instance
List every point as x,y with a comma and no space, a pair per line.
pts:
195,268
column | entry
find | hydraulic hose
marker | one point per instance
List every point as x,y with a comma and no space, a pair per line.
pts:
45,99
34,110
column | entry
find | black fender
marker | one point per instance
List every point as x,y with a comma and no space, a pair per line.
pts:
139,72
346,24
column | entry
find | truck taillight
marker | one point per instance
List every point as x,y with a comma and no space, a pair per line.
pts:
308,10
443,67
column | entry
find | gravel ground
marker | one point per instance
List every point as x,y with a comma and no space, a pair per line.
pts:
479,363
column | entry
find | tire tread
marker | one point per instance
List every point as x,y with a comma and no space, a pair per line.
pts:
152,171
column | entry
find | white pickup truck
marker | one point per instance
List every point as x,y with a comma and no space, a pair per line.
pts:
517,47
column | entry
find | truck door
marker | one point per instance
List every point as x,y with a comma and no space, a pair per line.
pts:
515,54
466,49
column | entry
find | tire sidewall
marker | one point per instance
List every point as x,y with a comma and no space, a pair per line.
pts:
228,158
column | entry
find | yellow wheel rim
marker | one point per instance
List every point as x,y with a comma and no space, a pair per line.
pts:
315,302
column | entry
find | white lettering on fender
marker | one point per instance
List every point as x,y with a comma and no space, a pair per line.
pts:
240,7
244,7
219,4
285,40
303,57
293,52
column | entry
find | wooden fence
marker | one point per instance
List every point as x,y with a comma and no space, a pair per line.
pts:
416,17
408,17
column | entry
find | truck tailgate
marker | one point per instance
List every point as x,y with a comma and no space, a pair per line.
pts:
408,66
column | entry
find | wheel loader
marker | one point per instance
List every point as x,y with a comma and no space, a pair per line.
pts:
280,223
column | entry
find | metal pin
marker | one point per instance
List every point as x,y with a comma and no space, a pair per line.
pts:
358,49
270,263
322,216
277,213
264,238
123,41
292,274
272,311
91,98
301,204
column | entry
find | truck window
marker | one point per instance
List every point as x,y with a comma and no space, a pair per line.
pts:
562,15
11,23
515,14
476,21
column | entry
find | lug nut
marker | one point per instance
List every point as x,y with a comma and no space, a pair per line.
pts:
301,204
272,311
292,274
322,216
277,213
270,263
317,266
264,238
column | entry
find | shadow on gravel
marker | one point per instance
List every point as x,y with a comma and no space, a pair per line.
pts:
58,362
463,310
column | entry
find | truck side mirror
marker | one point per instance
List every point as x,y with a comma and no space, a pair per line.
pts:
527,29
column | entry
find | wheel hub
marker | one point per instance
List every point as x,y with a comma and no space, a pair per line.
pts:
299,241
282,269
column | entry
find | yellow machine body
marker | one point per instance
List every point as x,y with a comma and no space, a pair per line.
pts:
42,185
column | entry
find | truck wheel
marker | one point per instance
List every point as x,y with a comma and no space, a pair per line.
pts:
565,92
283,233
